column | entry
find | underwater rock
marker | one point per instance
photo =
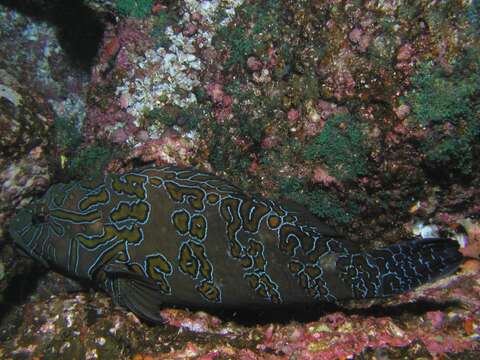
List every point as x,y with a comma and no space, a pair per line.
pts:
72,325
38,86
26,121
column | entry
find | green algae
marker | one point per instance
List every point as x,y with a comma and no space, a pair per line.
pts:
75,160
245,40
321,202
439,97
241,46
188,118
326,205
224,153
135,8
254,119
89,163
341,146
305,87
160,23
67,133
446,104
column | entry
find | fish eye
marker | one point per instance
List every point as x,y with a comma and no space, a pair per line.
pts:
38,219
40,215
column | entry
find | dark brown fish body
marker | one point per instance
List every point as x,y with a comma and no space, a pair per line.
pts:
180,236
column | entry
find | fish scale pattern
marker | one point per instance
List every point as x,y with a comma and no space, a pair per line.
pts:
398,268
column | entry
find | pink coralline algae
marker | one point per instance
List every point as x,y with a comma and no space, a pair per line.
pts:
405,53
199,322
190,29
119,44
406,58
344,85
223,113
20,180
272,56
107,115
254,64
104,124
472,230
360,39
271,138
338,335
26,121
171,147
222,102
316,116
395,136
326,109
216,92
320,175
346,50
402,111
293,115
270,141
437,319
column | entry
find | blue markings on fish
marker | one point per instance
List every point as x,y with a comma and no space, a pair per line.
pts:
180,236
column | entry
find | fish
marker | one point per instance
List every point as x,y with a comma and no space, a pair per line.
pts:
161,235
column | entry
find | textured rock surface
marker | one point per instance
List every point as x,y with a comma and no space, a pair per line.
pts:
25,122
253,91
429,322
37,87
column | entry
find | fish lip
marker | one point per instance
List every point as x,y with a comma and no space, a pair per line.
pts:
20,250
15,229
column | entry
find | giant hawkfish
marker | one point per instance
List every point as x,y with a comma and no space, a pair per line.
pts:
167,235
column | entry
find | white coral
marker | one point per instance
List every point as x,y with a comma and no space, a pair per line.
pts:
172,74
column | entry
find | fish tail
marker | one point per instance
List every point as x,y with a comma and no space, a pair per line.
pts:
398,268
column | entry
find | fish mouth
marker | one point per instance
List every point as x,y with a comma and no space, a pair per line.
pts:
21,251
20,224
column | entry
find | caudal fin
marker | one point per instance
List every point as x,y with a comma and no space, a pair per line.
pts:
398,268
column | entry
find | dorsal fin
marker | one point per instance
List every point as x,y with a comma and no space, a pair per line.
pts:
306,217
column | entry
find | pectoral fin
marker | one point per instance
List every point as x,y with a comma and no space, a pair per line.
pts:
135,292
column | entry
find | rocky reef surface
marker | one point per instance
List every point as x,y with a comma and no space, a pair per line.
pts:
428,323
367,113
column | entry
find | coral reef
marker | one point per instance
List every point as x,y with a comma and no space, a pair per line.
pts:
367,113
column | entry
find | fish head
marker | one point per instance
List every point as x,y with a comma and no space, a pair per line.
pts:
33,232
